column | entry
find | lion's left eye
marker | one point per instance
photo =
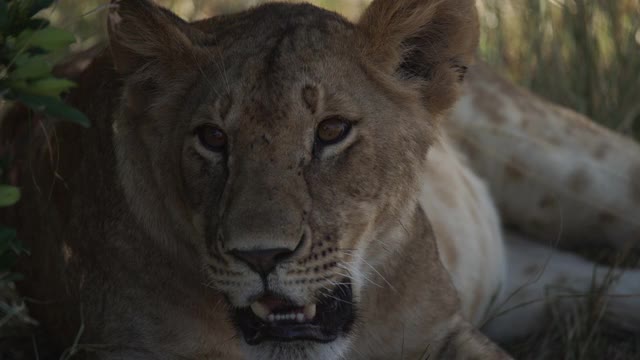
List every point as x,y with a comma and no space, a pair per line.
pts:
332,130
212,138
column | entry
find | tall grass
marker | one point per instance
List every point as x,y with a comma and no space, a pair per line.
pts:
584,54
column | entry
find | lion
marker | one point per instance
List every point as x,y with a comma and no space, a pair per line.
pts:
282,183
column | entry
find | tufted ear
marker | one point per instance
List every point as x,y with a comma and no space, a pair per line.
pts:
151,47
432,41
142,34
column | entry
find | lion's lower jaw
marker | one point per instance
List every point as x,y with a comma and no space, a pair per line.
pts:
294,350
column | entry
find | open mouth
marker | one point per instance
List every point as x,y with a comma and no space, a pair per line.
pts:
272,318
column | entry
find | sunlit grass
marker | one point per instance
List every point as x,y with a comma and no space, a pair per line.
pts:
584,54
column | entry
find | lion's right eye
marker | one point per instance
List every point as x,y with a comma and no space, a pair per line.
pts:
332,130
212,138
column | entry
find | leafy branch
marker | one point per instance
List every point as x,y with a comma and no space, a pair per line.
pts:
27,44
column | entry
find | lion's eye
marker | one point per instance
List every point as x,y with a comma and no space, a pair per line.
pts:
212,137
333,130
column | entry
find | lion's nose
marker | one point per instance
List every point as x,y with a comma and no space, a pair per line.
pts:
263,261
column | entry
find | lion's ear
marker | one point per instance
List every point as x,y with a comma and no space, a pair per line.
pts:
142,33
432,41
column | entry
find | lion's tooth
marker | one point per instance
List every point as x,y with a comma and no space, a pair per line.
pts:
310,311
272,318
300,317
260,310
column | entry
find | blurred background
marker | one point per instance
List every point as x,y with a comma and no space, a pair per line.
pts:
584,54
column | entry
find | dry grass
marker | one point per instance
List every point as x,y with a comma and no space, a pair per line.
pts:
579,332
583,54
577,335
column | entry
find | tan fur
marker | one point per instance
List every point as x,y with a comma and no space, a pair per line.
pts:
133,230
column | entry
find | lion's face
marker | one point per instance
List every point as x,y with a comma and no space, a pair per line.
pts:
312,158
291,160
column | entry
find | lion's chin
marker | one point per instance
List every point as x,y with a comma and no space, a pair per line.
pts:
295,350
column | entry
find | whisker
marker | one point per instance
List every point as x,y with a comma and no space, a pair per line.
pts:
363,276
360,257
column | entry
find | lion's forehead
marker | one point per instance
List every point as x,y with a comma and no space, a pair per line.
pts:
270,23
274,40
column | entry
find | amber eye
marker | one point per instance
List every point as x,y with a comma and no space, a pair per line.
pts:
212,137
333,130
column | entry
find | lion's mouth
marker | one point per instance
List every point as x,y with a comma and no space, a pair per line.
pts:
274,319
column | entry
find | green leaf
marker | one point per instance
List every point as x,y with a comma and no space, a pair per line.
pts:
31,68
49,38
8,241
7,238
7,235
10,249
9,195
54,107
11,277
49,86
7,260
23,38
18,84
66,112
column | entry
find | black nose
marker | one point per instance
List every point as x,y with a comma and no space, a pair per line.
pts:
262,261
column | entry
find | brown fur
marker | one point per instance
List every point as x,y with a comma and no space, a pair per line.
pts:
136,210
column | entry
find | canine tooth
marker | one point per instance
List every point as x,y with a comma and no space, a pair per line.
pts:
271,318
260,310
292,316
310,311
300,317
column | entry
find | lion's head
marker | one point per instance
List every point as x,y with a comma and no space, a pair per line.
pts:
283,147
